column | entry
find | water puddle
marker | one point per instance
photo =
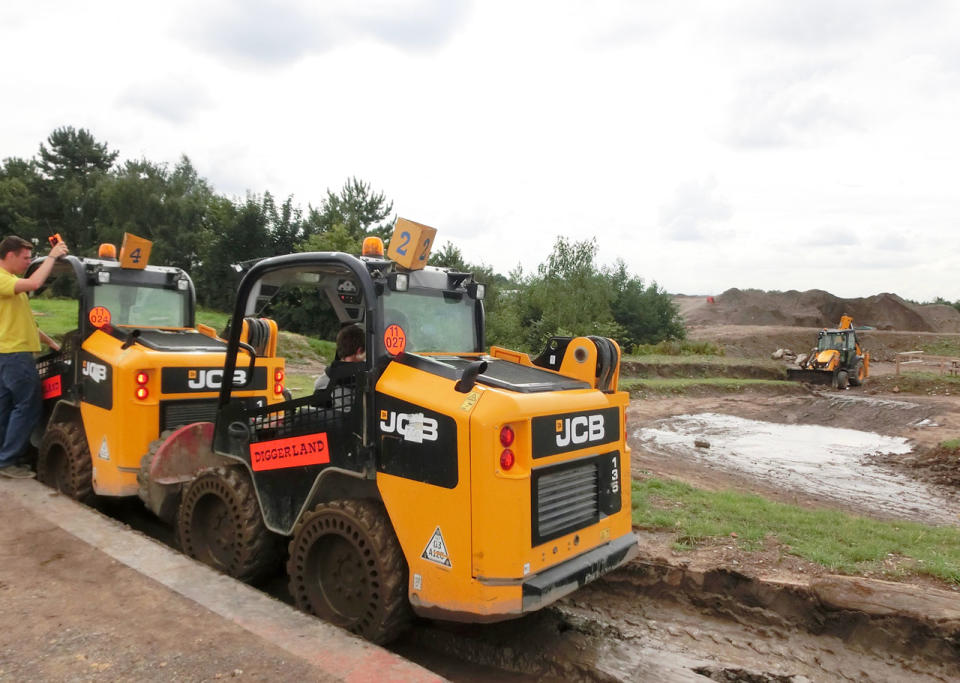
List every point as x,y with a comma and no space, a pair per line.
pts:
829,462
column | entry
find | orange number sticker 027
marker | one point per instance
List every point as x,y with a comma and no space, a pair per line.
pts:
99,316
395,339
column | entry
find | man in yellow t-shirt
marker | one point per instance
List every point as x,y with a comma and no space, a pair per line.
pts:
20,397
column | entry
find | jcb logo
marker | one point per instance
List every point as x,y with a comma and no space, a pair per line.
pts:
580,429
411,426
94,371
213,379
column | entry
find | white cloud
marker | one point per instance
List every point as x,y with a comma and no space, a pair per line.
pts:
695,212
705,143
283,31
175,100
790,106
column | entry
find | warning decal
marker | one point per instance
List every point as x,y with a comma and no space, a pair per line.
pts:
436,550
296,451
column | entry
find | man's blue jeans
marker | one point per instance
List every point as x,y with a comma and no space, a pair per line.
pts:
20,404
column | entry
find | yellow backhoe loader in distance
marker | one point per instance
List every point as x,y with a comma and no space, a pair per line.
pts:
837,360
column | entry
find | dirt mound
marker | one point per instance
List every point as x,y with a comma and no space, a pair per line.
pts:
939,465
816,308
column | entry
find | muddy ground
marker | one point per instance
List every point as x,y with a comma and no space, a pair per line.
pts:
922,421
720,613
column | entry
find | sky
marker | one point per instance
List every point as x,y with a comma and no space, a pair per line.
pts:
763,144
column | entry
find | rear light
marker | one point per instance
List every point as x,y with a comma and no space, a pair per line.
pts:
507,459
506,436
141,378
278,375
278,388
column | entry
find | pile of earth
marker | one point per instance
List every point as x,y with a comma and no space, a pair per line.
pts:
816,308
938,465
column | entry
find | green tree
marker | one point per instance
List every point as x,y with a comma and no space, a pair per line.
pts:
356,207
449,256
646,313
337,238
568,296
19,182
72,164
168,208
237,232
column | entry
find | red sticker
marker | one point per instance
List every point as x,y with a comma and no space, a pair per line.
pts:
99,316
293,452
395,339
52,387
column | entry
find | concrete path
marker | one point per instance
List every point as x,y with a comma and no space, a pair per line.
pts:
85,598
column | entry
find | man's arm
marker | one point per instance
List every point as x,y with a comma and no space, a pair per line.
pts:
52,343
40,275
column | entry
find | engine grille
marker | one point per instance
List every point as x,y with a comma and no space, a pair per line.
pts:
177,413
565,498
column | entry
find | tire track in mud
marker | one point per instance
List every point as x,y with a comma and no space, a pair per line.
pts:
657,621
653,621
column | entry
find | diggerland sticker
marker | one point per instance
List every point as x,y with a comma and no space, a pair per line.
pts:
296,451
52,387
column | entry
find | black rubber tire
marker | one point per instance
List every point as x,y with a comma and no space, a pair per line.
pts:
843,379
63,462
166,507
219,523
346,567
856,374
143,475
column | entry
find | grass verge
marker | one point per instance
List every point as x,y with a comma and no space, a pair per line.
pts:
55,317
678,386
929,383
942,347
215,319
674,348
300,383
841,542
697,359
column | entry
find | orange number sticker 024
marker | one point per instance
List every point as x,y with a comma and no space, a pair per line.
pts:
99,316
395,339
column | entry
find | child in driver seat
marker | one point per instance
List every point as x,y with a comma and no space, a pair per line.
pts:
350,349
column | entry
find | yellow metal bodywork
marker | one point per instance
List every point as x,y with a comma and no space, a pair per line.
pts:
827,360
119,437
579,362
485,520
